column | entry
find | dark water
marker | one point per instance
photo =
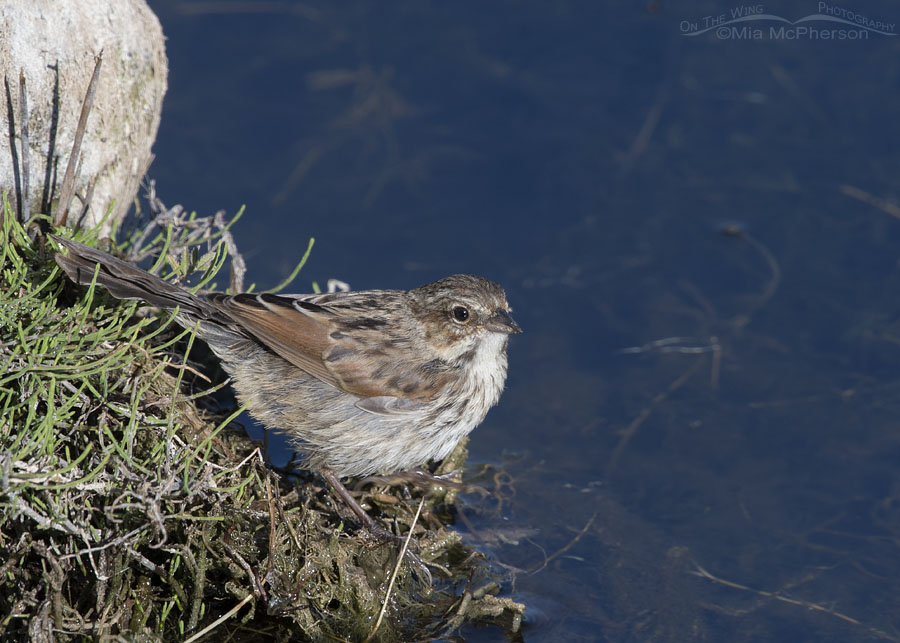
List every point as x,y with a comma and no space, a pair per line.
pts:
588,158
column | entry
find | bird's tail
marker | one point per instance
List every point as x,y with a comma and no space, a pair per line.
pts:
126,281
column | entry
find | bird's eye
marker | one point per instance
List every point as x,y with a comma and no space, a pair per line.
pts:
461,314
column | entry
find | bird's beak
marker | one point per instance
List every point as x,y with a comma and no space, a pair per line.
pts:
502,322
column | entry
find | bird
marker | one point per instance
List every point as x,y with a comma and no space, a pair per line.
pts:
363,382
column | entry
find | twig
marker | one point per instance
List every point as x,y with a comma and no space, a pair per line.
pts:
227,615
632,428
251,575
23,135
642,140
702,573
129,537
273,537
17,177
387,594
67,191
238,265
732,230
876,202
88,197
560,552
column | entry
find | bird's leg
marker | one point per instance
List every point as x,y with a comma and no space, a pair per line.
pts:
371,525
345,495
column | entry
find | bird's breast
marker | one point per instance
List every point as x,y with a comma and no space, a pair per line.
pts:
484,371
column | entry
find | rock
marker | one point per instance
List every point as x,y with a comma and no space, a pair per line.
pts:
53,45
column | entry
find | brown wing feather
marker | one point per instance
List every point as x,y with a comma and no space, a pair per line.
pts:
300,339
336,344
385,371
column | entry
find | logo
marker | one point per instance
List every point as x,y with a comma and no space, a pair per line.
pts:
752,22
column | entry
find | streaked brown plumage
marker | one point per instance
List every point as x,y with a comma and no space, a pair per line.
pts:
366,382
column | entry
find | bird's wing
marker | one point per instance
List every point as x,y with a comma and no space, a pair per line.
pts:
342,343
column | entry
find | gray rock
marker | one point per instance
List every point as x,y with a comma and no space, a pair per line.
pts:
53,44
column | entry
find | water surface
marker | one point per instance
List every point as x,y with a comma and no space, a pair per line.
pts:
727,204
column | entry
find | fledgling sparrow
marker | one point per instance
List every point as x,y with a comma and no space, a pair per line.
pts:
367,382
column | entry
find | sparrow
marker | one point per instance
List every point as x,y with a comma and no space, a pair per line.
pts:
366,382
